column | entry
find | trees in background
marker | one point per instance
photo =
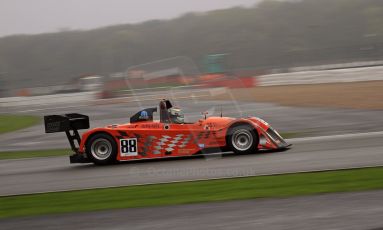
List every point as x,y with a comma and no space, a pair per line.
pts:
271,34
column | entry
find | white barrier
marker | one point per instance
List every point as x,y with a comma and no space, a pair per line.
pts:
48,99
323,76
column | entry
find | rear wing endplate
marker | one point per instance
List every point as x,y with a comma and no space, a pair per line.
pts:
68,123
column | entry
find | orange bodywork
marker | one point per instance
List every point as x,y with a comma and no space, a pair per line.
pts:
156,140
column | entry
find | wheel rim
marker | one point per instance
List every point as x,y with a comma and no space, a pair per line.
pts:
101,149
242,139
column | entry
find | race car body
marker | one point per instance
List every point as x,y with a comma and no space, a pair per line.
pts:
145,138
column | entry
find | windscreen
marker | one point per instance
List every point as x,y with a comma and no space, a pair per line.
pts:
181,81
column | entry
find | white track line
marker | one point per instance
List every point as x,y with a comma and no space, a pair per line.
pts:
335,137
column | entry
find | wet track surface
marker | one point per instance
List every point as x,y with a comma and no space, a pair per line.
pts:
309,121
362,210
321,153
334,211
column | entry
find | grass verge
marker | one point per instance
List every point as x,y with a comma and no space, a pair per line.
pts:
9,123
288,135
34,153
192,192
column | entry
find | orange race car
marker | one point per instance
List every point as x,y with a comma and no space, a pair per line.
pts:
145,138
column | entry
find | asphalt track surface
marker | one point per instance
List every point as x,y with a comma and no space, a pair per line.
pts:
309,121
318,153
362,210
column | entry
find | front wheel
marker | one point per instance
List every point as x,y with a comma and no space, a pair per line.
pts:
242,139
101,149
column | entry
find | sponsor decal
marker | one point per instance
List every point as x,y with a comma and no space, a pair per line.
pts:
150,126
212,125
185,151
53,126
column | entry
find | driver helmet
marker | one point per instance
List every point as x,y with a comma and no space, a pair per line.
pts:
176,115
144,115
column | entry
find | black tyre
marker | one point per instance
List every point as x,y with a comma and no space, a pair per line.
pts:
101,149
242,139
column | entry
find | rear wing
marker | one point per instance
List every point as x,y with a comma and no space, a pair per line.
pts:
68,123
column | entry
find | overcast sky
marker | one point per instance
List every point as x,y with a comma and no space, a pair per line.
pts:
39,16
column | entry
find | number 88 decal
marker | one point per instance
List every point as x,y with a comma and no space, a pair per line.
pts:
128,147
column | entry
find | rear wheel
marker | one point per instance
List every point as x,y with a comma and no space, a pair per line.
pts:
242,139
101,149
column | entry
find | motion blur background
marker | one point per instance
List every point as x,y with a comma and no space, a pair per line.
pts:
255,38
311,68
